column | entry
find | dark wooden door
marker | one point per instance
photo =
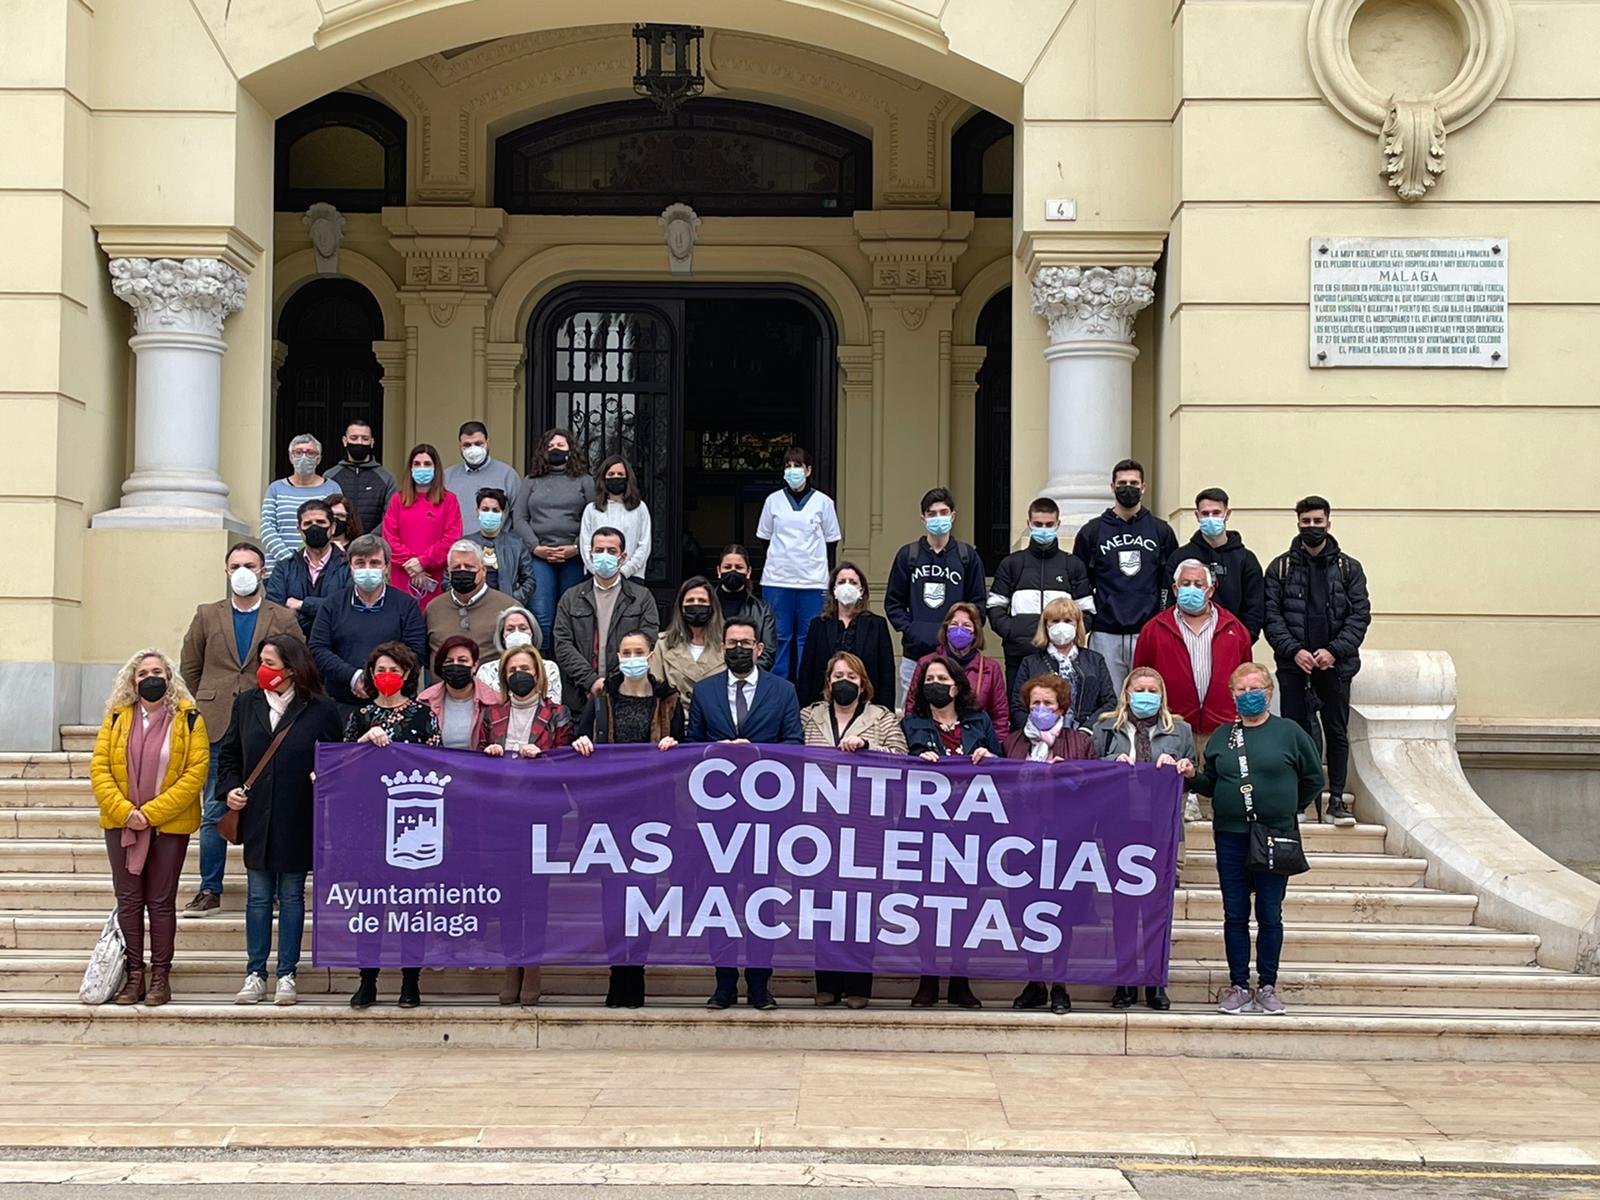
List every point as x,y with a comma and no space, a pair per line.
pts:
991,441
330,376
702,388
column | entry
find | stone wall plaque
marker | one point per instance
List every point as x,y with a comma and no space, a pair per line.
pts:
1408,302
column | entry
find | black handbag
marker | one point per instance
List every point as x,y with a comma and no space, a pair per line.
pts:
1274,853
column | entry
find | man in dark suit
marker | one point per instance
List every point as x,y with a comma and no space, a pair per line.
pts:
739,705
216,665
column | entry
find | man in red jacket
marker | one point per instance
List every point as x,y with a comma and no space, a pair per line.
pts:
1195,647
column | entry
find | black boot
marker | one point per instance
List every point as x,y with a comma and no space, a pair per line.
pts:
1060,1002
1156,998
1032,996
927,992
410,987
960,993
1124,997
366,994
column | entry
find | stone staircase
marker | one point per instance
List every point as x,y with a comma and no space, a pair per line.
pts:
1376,964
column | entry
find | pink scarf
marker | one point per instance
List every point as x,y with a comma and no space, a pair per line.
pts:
149,753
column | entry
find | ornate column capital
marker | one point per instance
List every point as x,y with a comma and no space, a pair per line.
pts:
194,295
1092,303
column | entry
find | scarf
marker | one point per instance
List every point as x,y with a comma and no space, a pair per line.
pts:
1142,753
1044,740
1066,664
277,704
149,752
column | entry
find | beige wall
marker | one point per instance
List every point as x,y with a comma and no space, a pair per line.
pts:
1190,132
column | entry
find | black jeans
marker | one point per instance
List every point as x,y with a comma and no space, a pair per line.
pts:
1333,699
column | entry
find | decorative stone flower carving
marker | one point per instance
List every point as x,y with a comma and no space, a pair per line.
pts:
1092,302
195,295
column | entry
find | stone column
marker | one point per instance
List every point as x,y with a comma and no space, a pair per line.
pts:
179,308
1090,311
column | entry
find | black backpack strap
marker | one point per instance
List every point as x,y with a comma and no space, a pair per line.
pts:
194,715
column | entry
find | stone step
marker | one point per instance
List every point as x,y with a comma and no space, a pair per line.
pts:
20,893
1327,870
54,932
75,794
44,766
1308,1033
1198,982
78,739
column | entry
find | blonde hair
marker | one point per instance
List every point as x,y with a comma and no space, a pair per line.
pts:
541,681
1244,670
125,695
1064,609
1122,716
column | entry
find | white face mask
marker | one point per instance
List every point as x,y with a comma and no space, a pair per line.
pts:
518,637
1062,632
244,581
847,594
476,456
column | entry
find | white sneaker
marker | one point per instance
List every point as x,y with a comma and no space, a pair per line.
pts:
255,987
1191,807
288,992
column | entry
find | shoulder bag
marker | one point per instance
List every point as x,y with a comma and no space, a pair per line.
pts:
228,823
108,965
1274,853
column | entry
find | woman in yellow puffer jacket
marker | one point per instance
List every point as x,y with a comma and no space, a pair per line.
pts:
148,770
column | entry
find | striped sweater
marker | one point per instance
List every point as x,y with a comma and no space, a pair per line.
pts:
280,519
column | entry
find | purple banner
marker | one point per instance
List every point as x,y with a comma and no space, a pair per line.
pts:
765,856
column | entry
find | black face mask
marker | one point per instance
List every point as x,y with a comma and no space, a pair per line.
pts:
1127,495
315,536
740,659
556,458
456,675
359,452
616,486
937,694
844,693
152,688
732,581
521,683
696,615
1313,536
463,581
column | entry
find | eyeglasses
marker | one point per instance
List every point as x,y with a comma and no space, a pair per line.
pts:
741,644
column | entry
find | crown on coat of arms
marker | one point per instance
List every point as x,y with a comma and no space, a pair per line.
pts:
416,783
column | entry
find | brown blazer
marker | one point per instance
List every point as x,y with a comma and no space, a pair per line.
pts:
876,725
210,665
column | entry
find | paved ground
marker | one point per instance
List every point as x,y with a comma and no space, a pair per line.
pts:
1401,1112
837,1181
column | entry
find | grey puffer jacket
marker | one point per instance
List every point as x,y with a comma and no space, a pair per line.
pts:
1111,742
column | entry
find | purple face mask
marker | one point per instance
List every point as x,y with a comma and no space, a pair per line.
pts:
960,637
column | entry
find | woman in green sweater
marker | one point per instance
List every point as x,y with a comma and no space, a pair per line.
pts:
1285,773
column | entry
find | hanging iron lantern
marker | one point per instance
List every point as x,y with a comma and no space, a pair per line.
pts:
667,64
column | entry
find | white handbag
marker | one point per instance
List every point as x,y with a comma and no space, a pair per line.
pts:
108,965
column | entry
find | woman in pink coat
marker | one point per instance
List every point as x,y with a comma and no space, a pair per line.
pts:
421,523
961,638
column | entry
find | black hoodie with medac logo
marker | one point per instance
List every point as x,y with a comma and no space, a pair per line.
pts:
1127,563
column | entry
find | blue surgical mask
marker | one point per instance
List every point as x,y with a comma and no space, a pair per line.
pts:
1252,703
795,477
1042,535
634,668
368,579
1213,526
422,476
1144,705
1191,599
604,564
490,522
939,526
1043,718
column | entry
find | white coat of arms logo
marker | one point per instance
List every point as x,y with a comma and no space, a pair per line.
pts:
415,826
933,595
1130,562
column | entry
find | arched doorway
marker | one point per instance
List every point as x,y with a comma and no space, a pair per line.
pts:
330,376
702,387
991,439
